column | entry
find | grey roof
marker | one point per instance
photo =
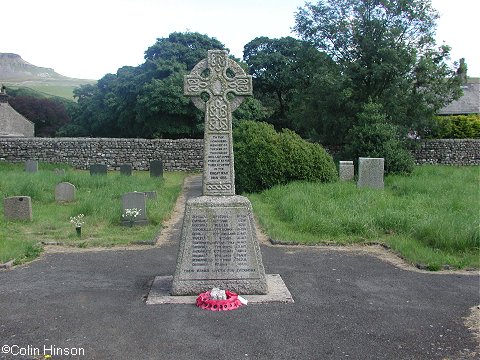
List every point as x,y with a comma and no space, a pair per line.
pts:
469,103
12,124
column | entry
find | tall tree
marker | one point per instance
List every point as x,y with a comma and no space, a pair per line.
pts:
387,52
280,68
48,115
147,100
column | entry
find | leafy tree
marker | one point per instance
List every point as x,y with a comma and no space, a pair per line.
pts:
187,48
147,100
48,115
280,69
386,52
374,136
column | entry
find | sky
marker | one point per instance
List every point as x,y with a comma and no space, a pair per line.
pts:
90,38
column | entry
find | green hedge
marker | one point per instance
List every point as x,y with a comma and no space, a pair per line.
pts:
457,127
265,158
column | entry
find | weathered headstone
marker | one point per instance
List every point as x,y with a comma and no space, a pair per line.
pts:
219,247
65,192
152,195
370,172
17,208
156,168
98,169
346,170
59,172
31,166
135,200
126,169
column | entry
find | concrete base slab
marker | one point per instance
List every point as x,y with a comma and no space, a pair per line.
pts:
277,292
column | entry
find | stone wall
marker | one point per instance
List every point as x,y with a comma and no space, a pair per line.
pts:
183,154
448,152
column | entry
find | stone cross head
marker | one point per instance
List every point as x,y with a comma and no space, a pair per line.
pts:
218,85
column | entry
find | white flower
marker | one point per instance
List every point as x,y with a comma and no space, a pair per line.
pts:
131,214
77,220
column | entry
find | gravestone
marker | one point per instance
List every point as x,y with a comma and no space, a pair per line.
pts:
219,247
370,172
151,195
17,208
31,166
65,192
59,172
156,168
135,200
126,169
346,170
98,169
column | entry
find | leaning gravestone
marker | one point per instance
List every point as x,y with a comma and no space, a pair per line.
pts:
65,192
346,170
219,246
126,169
135,200
31,166
17,208
370,172
98,169
156,168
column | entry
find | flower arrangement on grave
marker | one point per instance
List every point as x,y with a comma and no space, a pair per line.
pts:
78,222
130,215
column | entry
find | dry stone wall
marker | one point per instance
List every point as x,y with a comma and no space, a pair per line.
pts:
183,154
448,152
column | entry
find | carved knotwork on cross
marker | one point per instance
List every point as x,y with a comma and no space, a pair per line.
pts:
225,84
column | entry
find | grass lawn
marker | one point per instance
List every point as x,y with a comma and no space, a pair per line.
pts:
430,218
97,197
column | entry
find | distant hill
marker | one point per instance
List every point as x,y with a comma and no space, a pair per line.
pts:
16,72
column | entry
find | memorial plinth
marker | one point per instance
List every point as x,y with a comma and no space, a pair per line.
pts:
219,246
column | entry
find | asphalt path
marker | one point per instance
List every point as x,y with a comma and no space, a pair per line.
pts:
348,305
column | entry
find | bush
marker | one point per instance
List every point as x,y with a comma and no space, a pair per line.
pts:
374,137
457,127
265,158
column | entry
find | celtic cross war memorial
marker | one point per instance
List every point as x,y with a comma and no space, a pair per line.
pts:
219,246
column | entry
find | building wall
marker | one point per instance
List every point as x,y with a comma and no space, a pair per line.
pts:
14,124
183,154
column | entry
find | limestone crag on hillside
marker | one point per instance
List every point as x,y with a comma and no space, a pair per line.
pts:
14,68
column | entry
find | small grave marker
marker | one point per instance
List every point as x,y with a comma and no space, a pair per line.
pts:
151,195
31,166
156,168
59,172
65,192
135,200
346,170
98,169
126,169
370,172
17,208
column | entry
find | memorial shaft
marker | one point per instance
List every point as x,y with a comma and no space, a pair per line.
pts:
224,83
